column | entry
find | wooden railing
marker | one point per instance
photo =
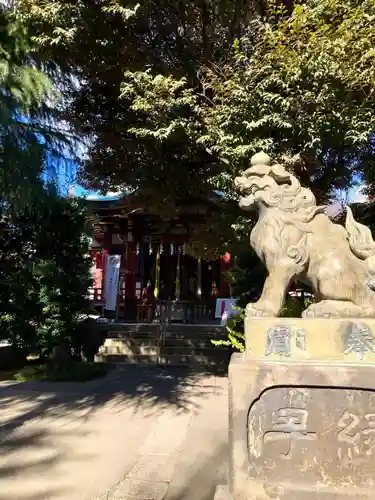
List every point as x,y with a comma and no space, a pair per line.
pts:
171,310
184,310
164,319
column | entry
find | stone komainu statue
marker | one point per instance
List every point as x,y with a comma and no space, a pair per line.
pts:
296,240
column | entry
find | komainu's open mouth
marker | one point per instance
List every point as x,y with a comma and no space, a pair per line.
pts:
247,202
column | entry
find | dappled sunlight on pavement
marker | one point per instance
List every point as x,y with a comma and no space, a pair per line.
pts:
141,432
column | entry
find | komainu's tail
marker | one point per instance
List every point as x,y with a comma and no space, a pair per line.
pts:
360,241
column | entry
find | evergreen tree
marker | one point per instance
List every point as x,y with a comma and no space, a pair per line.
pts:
44,274
44,270
31,144
19,297
62,269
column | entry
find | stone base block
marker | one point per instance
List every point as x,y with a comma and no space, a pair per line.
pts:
349,340
301,431
222,493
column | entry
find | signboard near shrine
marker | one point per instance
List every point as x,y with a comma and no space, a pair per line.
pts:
111,281
225,305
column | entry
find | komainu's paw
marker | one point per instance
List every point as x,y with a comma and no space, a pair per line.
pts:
255,311
318,313
333,309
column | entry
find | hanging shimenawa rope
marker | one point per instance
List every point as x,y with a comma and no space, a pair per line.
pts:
199,277
157,271
178,273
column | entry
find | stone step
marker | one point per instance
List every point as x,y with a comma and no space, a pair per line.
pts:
152,330
193,360
181,335
171,359
151,347
170,335
117,348
143,333
127,358
214,352
174,327
193,343
176,349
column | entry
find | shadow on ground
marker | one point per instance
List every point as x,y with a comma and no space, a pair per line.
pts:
14,470
153,388
150,390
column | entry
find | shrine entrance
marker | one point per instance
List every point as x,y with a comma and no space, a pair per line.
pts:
178,276
155,267
191,284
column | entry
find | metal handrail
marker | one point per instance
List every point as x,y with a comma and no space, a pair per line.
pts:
165,311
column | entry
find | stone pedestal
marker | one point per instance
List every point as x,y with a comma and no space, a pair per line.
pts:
222,493
302,411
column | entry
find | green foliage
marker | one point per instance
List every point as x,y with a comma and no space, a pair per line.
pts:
236,336
44,274
18,291
301,87
139,91
43,267
363,212
23,86
305,88
178,96
246,275
31,143
62,269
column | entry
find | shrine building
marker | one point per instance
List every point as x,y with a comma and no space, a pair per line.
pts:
155,261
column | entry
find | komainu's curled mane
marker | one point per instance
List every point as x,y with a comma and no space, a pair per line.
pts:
296,240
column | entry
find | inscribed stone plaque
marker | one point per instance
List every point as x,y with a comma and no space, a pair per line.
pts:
301,431
357,337
295,339
298,437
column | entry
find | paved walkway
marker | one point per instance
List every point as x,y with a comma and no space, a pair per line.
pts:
140,433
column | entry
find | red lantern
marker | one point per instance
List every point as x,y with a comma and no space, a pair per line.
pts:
226,258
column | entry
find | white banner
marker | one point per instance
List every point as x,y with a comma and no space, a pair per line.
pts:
225,306
111,281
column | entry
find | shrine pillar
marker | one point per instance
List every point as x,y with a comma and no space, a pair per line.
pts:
131,269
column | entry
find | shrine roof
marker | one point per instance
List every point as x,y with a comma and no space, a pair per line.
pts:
107,204
133,202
